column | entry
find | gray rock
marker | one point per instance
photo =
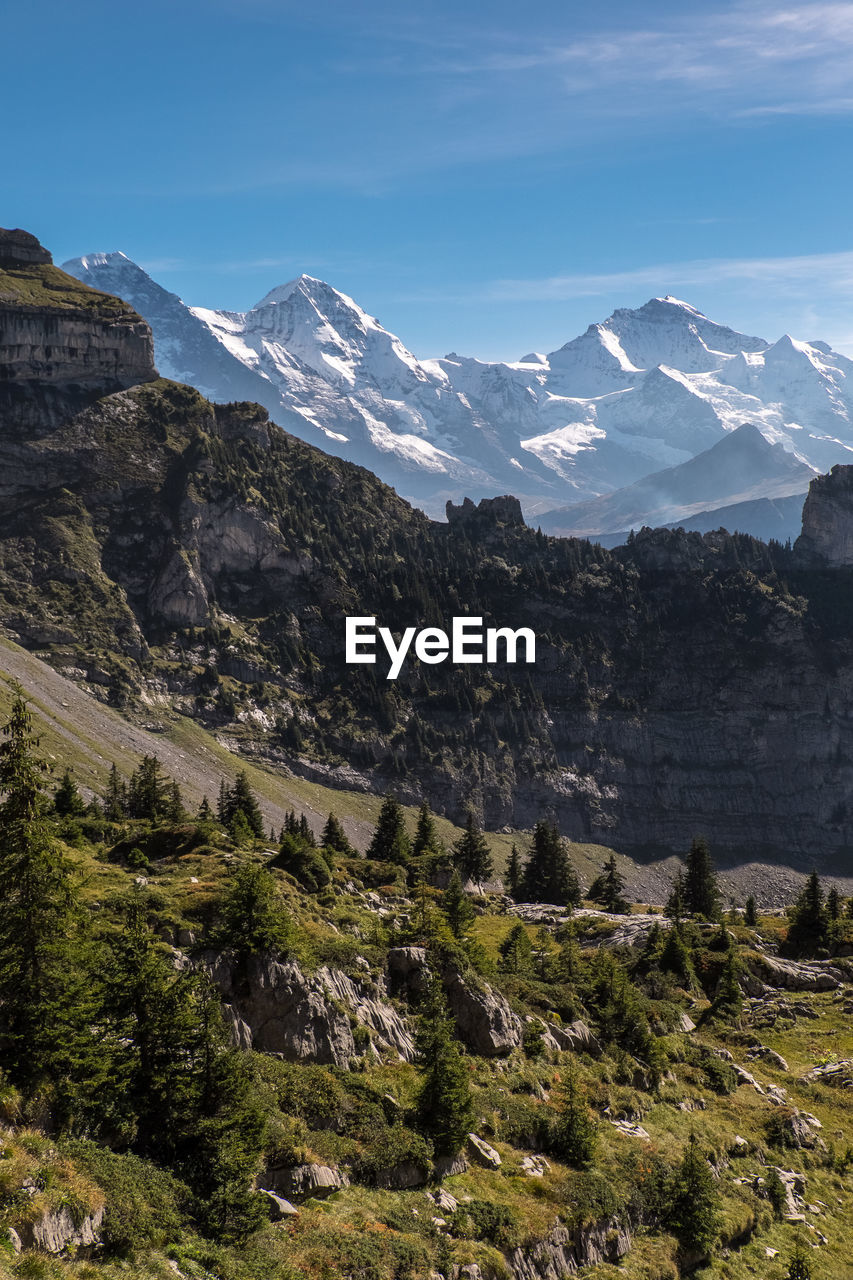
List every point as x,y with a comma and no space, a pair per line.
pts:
484,1021
277,1207
306,1181
450,1166
402,1176
535,1166
482,1152
563,1252
838,1074
576,1037
55,1231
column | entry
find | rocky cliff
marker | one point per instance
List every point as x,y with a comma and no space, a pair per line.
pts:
59,335
827,536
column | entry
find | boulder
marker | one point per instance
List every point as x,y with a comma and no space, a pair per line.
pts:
305,1181
56,1230
450,1166
277,1208
838,1074
482,1152
535,1166
484,1021
576,1037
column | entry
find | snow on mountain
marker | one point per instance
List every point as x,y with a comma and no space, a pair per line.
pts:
643,391
740,468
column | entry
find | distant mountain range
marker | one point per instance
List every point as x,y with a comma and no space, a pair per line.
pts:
571,433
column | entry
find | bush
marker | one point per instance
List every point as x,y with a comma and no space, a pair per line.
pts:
721,1077
144,1205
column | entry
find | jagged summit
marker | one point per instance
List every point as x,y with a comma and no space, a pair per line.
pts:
21,248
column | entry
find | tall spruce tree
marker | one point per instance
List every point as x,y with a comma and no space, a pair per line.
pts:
444,1107
701,891
809,925
37,914
390,841
426,837
574,1136
549,875
694,1203
242,797
471,853
334,837
608,889
457,906
513,873
67,801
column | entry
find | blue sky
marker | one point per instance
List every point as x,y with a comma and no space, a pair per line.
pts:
481,178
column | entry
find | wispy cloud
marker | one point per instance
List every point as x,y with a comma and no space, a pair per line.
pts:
800,275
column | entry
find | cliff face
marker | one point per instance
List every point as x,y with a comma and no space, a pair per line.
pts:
827,536
173,553
57,335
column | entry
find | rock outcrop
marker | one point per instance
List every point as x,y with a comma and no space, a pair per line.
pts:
564,1252
58,333
276,1008
484,1021
827,536
305,1181
59,1229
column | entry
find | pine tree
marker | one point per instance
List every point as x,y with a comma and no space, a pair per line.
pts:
608,890
471,853
833,904
701,891
569,961
205,813
390,841
147,791
252,915
676,908
694,1208
516,951
728,1000
444,1107
750,915
808,928
222,813
243,797
513,874
675,958
426,837
549,875
239,830
37,914
174,804
67,800
799,1268
574,1137
334,837
457,906
115,801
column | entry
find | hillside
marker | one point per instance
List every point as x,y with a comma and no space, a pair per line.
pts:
177,557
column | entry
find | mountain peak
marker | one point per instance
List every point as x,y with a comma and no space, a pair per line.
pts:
316,291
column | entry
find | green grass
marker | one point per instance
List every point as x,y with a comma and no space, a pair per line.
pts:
43,285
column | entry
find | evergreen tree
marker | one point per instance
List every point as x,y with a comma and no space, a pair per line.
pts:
222,813
334,837
115,801
728,1000
205,813
147,791
701,891
444,1107
675,958
426,837
174,804
574,1136
306,835
676,908
513,874
239,830
833,904
569,961
799,1268
251,913
67,800
471,853
516,951
549,875
750,915
808,928
694,1209
390,841
242,797
37,915
608,890
457,906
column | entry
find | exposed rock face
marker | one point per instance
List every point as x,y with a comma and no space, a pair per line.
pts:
827,536
19,247
792,975
305,1181
56,1230
484,1020
275,1008
484,1154
55,331
563,1252
839,1074
488,511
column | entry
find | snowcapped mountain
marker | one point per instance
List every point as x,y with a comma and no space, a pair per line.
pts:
739,469
641,392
